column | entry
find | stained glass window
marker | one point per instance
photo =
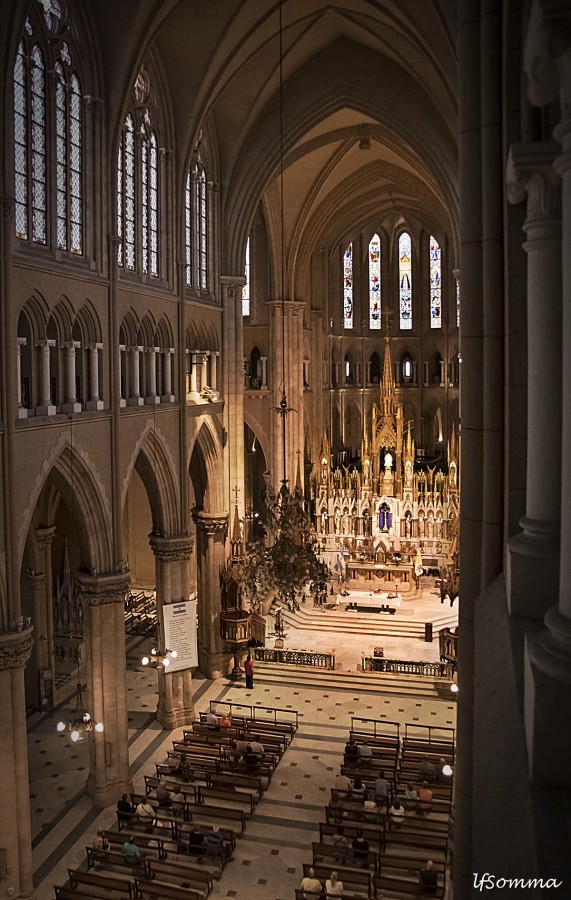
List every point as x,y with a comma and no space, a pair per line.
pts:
375,282
75,167
144,182
154,205
61,157
246,288
188,228
21,143
435,284
405,282
129,192
43,107
200,225
348,287
38,108
457,303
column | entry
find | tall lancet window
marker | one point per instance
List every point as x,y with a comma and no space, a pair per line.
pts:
435,284
48,139
405,282
348,287
201,227
188,228
246,288
375,283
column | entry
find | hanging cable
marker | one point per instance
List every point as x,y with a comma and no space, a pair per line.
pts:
283,403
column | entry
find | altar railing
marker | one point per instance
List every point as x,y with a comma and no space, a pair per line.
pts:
295,657
407,667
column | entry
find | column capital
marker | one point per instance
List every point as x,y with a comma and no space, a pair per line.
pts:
95,346
210,523
530,173
45,536
101,590
232,284
114,242
35,579
15,649
171,549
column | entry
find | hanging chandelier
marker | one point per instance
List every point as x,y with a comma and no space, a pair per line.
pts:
80,721
159,658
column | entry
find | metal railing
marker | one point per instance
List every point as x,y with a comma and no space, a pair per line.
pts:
407,667
296,657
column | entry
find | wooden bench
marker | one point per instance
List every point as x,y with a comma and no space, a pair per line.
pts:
189,790
391,862
103,881
323,852
430,843
244,782
373,833
197,877
86,893
229,794
360,879
145,841
301,895
166,891
206,811
182,831
408,888
112,858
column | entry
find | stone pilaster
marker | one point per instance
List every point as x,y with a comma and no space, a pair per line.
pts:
15,650
211,531
547,676
103,600
172,557
533,554
233,386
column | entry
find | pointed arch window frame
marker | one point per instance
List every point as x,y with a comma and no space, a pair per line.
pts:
435,282
49,134
375,282
405,281
348,294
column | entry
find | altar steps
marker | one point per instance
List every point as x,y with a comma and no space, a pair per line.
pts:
363,682
374,624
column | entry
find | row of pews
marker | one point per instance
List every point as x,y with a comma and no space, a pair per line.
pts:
215,791
396,852
140,609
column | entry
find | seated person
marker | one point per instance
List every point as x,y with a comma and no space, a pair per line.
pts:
146,814
341,845
351,753
428,878
310,885
360,847
333,887
251,760
234,755
365,753
211,720
195,842
410,797
185,772
426,770
225,720
381,787
241,742
425,797
174,763
164,795
396,813
214,842
358,791
100,841
131,852
342,783
125,809
257,748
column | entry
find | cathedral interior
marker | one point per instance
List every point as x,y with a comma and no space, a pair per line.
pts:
322,245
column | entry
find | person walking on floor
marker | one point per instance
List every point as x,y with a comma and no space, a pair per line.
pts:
249,670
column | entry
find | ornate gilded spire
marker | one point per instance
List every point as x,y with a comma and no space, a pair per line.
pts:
388,382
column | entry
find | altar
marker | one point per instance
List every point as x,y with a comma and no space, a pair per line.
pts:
387,573
372,601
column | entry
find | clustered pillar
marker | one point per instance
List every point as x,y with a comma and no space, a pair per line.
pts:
172,557
211,533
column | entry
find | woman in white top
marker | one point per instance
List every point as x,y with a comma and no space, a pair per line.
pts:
396,813
333,887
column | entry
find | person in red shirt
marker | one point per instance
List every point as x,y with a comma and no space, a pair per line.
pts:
249,670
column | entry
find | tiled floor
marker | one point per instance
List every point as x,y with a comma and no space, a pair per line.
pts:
277,838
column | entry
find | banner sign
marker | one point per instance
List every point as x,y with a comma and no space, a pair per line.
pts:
180,634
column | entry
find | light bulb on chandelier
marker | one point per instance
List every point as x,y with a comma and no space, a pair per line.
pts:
159,658
80,721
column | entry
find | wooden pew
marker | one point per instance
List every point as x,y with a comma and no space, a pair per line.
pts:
182,830
189,790
113,858
359,880
196,877
144,840
373,833
301,895
166,891
405,888
85,893
228,794
429,843
102,881
328,852
241,781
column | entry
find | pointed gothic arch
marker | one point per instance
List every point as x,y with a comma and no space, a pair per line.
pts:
153,461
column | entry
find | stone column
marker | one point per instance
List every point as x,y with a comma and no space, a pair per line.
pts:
152,396
203,360
15,650
71,405
233,388
264,362
172,557
43,624
135,398
122,373
547,676
167,396
211,530
22,411
533,554
193,382
214,370
103,600
94,401
46,407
